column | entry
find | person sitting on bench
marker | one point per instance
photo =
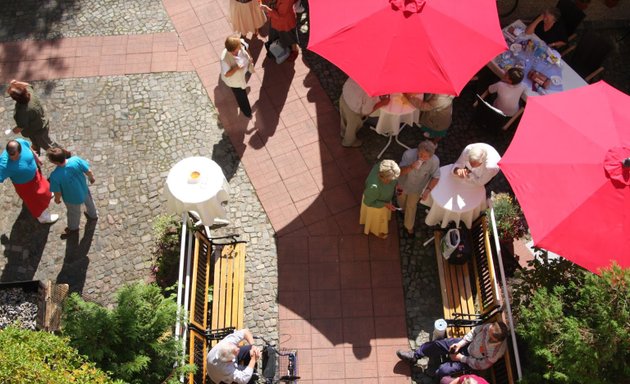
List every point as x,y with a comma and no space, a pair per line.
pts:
478,350
229,363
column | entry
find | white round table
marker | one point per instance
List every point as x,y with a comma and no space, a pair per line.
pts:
398,110
453,199
197,185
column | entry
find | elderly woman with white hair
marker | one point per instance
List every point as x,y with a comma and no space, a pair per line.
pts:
377,207
478,163
227,362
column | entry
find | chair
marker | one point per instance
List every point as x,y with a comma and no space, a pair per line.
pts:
589,54
572,16
492,117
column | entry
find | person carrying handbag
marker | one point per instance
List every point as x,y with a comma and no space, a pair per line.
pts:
236,61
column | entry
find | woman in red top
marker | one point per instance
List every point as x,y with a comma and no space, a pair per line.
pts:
283,21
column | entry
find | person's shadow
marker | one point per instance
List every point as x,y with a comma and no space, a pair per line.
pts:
76,261
24,247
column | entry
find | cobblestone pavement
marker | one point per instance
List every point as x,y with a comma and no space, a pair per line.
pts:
132,129
52,19
422,296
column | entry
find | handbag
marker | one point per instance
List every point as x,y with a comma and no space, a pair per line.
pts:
279,52
457,246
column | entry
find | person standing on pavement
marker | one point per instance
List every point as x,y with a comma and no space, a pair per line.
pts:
228,363
29,115
246,16
235,63
419,174
67,181
20,163
376,205
355,105
283,22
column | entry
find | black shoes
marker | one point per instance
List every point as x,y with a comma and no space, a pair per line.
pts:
407,356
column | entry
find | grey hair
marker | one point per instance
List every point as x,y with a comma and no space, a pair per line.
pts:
226,351
477,154
389,169
469,380
427,146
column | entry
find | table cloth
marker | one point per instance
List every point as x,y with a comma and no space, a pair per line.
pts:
197,184
453,199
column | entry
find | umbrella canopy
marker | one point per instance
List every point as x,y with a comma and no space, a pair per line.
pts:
415,46
565,165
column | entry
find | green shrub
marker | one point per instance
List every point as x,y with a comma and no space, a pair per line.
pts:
32,357
578,329
167,231
133,341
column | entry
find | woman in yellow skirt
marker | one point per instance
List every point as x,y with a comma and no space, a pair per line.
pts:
377,207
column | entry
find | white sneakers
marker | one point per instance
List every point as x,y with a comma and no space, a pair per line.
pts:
47,218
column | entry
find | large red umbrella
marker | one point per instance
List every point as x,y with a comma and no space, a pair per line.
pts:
390,46
566,167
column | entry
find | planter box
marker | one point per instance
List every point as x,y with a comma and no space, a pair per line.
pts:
50,297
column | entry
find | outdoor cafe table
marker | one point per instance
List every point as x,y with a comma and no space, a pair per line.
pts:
454,199
197,185
566,77
399,110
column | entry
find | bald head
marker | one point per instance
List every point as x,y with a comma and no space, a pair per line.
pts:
14,148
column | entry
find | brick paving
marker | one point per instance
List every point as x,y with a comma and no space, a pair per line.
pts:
135,94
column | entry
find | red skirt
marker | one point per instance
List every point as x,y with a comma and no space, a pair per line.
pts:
36,194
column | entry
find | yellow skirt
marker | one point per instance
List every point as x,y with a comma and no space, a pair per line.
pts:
376,220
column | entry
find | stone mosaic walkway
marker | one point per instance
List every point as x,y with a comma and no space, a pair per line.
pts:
130,94
339,293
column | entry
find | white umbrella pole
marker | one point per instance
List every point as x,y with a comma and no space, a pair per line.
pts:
508,307
180,286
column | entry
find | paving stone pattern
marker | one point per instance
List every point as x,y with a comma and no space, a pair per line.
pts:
52,19
132,129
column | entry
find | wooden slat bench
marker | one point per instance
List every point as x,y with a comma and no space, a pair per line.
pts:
222,267
470,293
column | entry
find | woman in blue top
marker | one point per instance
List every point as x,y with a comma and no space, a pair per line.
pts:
67,181
19,163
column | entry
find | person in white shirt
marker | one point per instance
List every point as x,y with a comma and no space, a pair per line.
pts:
228,363
509,91
354,107
477,164
235,62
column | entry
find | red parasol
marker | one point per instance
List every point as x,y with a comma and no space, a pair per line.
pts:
569,166
415,46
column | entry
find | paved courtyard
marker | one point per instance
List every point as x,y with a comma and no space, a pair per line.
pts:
133,87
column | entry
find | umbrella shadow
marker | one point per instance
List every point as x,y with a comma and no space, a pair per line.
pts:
334,283
24,247
76,261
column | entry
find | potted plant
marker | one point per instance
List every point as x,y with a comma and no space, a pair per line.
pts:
511,224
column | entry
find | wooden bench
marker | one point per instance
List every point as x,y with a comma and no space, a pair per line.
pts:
470,293
220,265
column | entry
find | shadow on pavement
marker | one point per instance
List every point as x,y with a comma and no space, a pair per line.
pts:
23,247
76,261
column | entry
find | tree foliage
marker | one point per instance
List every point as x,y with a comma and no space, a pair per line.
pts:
33,357
575,324
133,341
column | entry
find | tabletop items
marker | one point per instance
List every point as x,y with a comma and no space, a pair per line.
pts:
454,199
197,185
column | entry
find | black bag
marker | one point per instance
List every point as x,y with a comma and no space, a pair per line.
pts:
463,250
